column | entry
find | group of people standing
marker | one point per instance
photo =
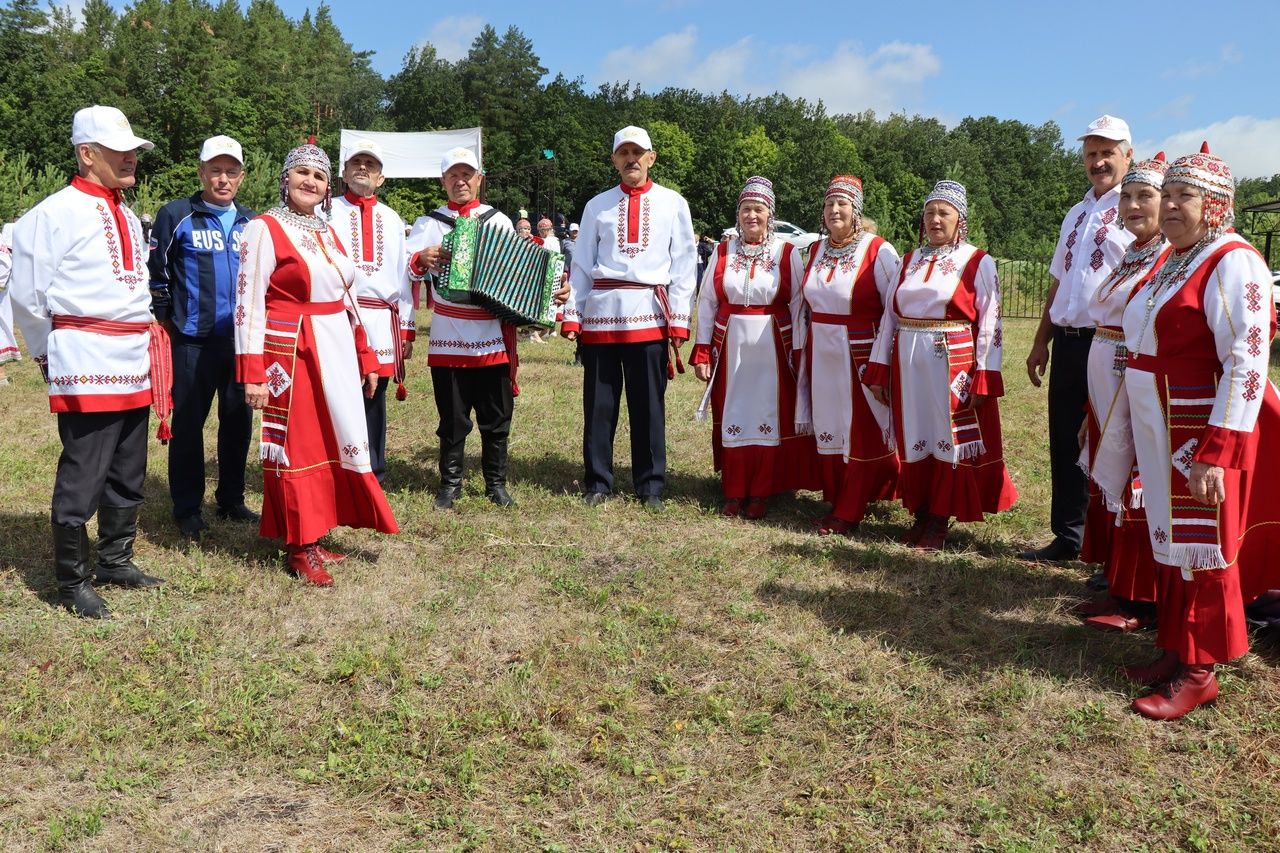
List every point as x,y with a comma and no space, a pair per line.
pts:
807,364
839,367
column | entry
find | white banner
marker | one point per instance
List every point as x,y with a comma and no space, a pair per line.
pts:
412,155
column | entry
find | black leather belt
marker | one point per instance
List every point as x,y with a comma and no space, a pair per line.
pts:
1077,331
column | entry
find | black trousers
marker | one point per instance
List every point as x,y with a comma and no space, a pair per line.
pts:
461,390
1068,395
375,418
202,369
103,462
642,369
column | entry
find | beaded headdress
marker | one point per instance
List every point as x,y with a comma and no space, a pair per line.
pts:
306,154
758,189
848,186
1209,173
1149,172
952,193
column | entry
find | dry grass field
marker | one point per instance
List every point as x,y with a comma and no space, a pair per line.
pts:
557,678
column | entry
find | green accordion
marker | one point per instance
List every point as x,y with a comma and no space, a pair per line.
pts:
511,277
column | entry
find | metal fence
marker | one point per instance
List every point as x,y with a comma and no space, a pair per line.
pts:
1023,287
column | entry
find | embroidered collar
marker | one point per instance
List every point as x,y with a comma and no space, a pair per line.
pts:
635,191
360,201
90,188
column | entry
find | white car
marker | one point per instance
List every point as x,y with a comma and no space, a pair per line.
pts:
1275,289
791,233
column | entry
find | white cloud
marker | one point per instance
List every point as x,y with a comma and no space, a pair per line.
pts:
653,64
452,36
1248,144
845,80
1228,54
849,81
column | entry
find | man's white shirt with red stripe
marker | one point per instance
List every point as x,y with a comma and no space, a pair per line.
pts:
79,254
461,335
632,241
373,236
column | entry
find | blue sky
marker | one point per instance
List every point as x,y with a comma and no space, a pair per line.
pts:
1175,72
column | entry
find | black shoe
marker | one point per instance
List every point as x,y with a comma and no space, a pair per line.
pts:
192,526
595,498
451,458
1057,551
1098,582
117,530
493,464
71,568
239,512
499,497
653,503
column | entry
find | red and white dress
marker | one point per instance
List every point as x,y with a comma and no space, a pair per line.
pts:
1199,342
1122,546
746,308
844,294
941,338
8,341
298,331
372,235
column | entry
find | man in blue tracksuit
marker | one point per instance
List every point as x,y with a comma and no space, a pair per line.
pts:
194,263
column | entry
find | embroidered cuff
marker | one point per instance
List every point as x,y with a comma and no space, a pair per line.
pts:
678,333
988,382
407,334
250,369
570,326
1226,448
876,374
701,354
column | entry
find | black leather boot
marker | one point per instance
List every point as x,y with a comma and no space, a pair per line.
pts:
117,528
451,457
493,462
71,568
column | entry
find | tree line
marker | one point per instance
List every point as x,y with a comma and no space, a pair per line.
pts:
183,70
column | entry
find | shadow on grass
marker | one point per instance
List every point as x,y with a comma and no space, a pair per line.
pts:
27,546
961,611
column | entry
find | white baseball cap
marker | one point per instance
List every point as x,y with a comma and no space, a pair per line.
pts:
573,227
454,156
1108,127
365,146
106,126
631,133
216,146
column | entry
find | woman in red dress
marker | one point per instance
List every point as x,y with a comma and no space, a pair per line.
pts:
302,356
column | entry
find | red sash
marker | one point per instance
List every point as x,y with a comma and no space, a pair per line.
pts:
159,354
397,349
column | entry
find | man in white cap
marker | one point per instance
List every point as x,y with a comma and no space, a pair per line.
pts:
1090,242
80,297
471,353
373,236
631,295
194,264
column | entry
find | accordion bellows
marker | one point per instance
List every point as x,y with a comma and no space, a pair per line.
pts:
509,276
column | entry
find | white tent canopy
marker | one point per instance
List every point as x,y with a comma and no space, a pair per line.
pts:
412,155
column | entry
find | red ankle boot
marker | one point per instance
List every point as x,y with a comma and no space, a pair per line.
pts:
912,536
732,508
303,561
934,536
1192,687
329,557
1158,671
757,508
